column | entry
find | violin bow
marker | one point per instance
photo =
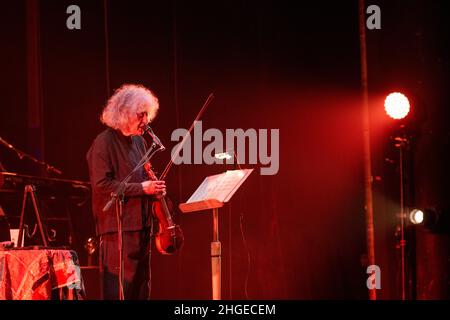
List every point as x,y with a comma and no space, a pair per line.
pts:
180,145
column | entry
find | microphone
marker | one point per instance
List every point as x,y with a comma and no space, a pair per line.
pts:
148,129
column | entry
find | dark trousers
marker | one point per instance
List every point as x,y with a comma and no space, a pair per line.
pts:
136,261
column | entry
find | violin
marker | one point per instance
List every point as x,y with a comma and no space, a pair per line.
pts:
169,238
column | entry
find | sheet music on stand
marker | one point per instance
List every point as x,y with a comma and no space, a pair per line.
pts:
212,194
216,190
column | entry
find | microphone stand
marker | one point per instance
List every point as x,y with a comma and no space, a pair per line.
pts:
118,196
22,155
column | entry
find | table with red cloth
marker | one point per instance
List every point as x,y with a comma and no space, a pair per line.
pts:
40,274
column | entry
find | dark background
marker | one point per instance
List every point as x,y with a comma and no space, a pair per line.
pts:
270,64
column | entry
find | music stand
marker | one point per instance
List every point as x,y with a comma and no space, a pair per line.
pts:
212,194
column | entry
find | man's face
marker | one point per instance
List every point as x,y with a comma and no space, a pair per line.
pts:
135,125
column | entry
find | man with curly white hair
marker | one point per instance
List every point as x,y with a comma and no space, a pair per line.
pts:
111,157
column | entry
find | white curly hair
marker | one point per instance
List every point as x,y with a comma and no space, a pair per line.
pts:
126,103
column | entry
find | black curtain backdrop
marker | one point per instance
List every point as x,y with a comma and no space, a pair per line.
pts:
270,65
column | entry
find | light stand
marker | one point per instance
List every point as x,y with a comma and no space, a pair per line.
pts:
227,156
401,143
397,107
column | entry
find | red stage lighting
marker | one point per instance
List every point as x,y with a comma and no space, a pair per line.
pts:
396,105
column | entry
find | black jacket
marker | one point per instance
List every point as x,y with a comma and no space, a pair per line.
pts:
111,158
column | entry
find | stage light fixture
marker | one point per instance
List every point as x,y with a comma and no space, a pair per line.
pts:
397,105
223,155
416,216
432,219
228,154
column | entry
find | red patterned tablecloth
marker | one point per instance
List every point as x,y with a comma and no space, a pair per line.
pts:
41,274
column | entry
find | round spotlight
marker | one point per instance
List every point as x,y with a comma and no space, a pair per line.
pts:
396,105
416,216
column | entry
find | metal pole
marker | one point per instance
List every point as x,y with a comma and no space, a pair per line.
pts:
370,238
119,212
402,219
216,257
